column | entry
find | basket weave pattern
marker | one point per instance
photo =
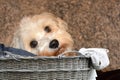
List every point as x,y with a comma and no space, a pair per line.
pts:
70,68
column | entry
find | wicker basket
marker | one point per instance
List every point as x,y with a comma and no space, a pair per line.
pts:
45,68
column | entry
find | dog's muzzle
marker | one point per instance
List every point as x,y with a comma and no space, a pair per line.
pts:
54,44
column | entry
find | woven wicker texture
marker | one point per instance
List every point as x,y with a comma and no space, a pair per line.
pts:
76,68
92,23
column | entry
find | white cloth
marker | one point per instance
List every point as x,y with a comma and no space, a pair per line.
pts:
99,59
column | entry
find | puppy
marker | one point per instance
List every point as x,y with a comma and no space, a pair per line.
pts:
43,35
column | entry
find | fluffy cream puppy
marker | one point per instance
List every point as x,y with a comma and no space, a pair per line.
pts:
43,35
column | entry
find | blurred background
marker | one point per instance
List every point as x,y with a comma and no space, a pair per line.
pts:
92,23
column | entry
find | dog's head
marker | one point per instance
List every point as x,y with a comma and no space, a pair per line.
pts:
44,35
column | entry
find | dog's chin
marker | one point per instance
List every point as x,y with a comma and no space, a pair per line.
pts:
62,50
67,51
53,52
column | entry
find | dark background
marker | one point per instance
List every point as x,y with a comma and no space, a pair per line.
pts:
92,23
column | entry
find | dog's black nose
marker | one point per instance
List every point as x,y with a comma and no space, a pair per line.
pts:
54,44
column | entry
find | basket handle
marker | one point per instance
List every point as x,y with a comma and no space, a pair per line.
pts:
73,51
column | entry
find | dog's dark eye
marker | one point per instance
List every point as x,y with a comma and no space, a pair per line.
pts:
33,43
47,29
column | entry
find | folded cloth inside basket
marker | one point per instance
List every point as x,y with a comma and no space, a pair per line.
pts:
13,51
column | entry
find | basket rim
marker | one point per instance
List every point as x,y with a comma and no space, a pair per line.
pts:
48,70
43,57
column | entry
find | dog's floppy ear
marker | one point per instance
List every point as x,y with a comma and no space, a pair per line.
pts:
62,24
17,39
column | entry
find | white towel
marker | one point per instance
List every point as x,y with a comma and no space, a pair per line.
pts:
99,59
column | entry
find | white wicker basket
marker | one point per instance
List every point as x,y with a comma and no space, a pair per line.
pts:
45,68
